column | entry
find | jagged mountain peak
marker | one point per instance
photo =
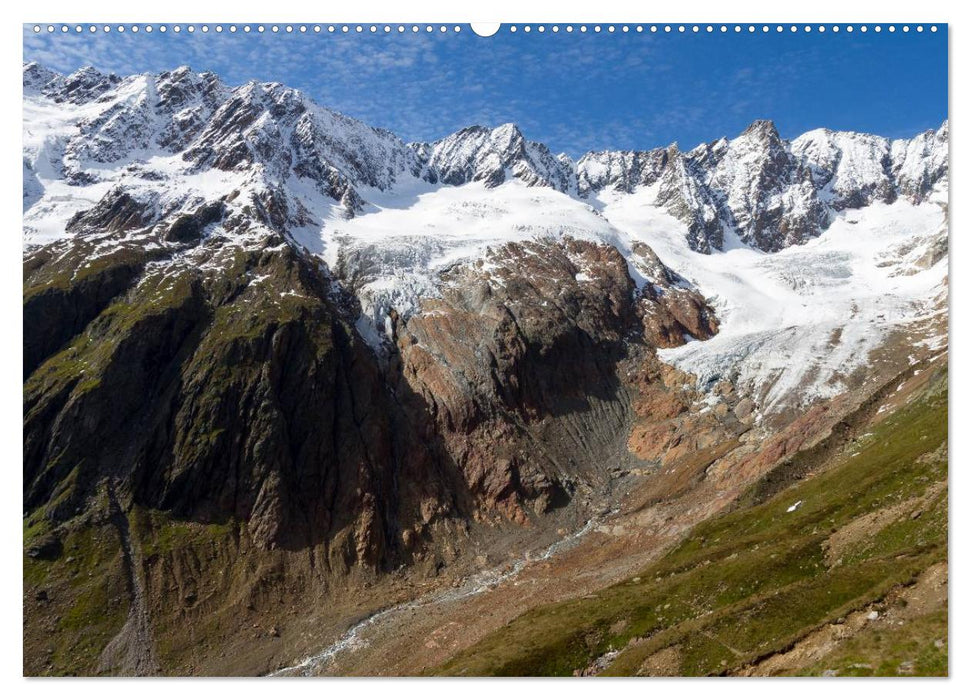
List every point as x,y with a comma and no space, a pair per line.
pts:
492,155
768,191
762,128
265,131
508,131
36,75
85,84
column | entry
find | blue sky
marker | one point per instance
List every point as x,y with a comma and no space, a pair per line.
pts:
574,91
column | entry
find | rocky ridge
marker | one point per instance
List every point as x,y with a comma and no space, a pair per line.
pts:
758,188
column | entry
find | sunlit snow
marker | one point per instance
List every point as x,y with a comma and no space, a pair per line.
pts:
792,324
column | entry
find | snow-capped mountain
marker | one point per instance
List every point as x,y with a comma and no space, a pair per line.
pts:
478,154
273,355
770,193
138,152
767,192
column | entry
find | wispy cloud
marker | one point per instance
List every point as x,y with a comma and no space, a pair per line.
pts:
575,92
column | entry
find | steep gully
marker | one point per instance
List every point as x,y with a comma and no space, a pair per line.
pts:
131,651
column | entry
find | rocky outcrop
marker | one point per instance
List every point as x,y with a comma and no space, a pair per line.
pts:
219,381
237,395
190,351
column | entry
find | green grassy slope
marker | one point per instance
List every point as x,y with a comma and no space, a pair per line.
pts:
752,582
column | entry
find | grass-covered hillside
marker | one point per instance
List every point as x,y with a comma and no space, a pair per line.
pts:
842,573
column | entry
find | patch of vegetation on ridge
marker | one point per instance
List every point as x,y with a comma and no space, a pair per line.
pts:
158,533
78,367
751,582
918,648
75,601
89,264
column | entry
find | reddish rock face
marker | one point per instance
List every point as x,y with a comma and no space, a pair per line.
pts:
530,333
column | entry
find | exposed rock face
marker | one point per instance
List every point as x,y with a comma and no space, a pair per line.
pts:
227,381
220,397
530,334
217,380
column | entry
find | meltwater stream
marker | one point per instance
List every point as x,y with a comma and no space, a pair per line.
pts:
479,583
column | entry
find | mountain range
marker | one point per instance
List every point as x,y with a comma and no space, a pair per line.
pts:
274,355
768,192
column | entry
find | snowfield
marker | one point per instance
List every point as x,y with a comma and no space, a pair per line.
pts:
410,235
794,322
